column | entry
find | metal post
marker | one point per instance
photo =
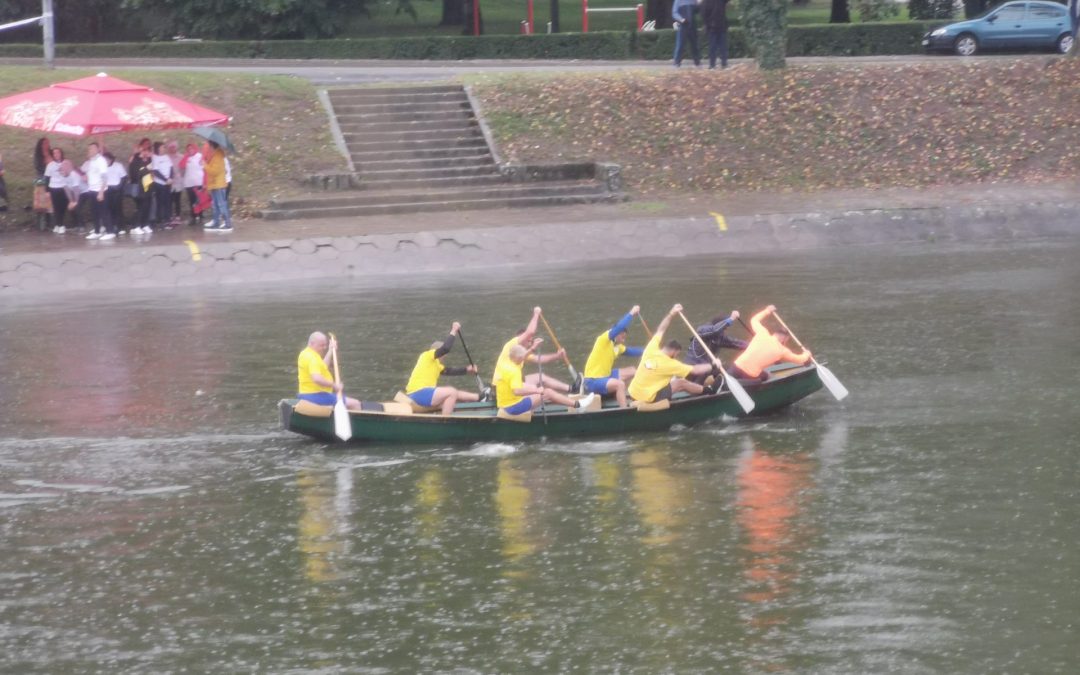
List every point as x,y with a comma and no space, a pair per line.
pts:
640,16
47,34
584,16
532,25
476,17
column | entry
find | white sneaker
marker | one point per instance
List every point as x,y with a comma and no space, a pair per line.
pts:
586,401
61,230
55,229
93,235
121,232
107,236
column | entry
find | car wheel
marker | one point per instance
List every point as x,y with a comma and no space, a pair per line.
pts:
966,45
1064,43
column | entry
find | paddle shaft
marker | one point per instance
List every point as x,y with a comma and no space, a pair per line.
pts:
337,371
644,325
540,369
733,385
555,339
479,382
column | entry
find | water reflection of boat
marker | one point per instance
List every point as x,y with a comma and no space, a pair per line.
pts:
396,423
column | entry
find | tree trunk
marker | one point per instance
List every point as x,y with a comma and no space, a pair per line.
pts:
453,13
840,12
660,12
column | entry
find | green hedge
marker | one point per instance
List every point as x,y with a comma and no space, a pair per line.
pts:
859,39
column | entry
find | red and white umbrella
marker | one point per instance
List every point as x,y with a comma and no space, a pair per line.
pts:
101,104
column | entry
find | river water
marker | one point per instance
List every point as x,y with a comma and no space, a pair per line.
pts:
153,518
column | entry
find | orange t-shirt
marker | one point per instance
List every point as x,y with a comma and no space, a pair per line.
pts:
764,350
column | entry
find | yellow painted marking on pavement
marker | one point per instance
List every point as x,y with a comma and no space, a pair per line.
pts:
194,248
720,222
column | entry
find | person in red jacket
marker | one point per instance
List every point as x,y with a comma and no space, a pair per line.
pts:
765,349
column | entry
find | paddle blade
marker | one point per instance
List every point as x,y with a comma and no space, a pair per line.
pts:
741,396
342,423
838,390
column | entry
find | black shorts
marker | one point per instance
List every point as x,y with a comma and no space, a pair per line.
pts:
663,394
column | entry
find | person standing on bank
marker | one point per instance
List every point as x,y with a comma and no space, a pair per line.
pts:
58,183
217,184
96,180
714,15
683,12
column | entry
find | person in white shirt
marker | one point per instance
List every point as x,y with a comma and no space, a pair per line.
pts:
57,190
161,167
191,164
76,192
115,176
171,148
96,167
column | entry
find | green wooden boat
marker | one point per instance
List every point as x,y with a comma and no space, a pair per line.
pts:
397,422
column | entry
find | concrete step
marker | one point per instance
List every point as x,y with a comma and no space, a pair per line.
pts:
450,204
433,134
473,142
396,175
430,183
401,127
363,197
398,99
416,90
377,163
387,108
421,153
407,116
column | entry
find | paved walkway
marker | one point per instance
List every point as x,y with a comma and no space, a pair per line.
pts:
682,207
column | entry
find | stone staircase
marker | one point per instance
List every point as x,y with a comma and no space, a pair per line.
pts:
422,148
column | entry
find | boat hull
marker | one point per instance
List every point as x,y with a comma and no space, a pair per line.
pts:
478,423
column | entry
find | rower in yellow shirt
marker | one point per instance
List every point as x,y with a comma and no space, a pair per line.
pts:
525,338
601,376
659,375
316,384
515,395
765,349
423,383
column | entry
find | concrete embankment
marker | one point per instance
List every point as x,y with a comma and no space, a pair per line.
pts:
471,241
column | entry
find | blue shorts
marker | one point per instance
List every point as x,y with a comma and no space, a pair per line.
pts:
522,406
319,398
598,385
423,396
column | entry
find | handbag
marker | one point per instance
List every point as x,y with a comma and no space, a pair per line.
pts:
203,200
42,199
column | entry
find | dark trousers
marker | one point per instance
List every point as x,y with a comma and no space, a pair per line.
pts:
193,199
102,218
687,32
142,209
162,203
59,205
718,43
114,200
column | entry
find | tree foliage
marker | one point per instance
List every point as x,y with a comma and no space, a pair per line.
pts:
765,23
876,10
930,9
249,19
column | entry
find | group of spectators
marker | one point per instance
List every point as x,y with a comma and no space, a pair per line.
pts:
155,178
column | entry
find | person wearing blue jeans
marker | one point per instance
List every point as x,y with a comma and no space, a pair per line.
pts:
683,12
714,15
222,222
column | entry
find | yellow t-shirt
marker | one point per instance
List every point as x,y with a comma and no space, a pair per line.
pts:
507,379
602,357
504,358
425,373
309,362
655,372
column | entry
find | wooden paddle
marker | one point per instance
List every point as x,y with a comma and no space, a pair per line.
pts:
342,423
540,369
479,383
573,373
838,390
733,385
645,325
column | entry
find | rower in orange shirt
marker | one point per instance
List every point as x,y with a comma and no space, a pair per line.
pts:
764,350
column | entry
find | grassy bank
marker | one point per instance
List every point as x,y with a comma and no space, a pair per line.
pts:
280,130
810,127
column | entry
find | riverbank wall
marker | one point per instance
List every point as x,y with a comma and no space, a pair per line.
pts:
247,257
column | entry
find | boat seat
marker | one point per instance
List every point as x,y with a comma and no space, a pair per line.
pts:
313,409
653,406
523,417
396,408
403,398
